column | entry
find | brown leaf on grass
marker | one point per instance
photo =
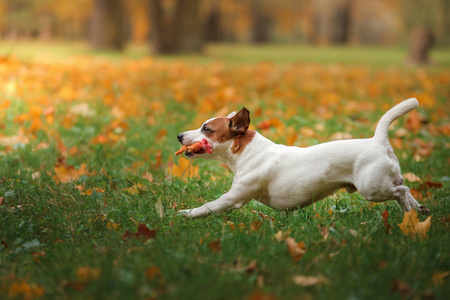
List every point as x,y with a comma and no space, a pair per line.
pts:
66,173
401,287
412,226
309,280
411,177
279,236
38,255
439,278
24,290
385,216
414,121
259,295
215,246
143,231
153,272
255,225
296,250
3,243
431,185
2,199
87,273
252,266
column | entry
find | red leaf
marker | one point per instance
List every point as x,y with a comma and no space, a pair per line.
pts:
386,223
127,235
431,185
215,246
144,231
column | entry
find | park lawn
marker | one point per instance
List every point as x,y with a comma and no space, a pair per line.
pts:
90,188
239,53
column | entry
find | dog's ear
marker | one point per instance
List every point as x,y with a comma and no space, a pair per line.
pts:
239,122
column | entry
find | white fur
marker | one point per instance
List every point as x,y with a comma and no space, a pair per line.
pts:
288,177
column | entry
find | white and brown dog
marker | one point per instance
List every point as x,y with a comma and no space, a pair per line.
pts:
286,177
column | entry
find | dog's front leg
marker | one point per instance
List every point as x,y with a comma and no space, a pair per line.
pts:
236,197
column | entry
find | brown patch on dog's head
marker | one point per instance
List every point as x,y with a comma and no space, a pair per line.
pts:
225,129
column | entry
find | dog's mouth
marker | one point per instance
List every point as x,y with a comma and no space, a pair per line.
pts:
193,154
198,148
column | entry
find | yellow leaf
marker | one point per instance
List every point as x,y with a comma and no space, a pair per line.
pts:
412,226
296,250
184,169
309,280
439,278
411,177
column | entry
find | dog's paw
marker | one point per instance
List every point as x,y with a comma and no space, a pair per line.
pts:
185,213
423,210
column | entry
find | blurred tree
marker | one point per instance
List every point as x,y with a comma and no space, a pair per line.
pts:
138,11
178,26
332,21
262,22
422,21
108,25
213,30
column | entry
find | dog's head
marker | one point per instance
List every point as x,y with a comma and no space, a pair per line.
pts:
221,134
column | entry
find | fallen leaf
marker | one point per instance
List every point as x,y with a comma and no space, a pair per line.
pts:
23,290
143,231
439,278
153,272
252,266
412,226
184,169
259,295
309,280
279,236
385,216
431,185
87,273
296,250
411,177
215,246
159,208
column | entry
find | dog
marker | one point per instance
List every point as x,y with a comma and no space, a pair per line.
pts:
286,177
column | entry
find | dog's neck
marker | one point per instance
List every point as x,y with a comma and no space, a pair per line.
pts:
242,150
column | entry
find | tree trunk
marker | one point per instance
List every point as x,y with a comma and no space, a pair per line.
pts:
189,26
213,30
261,23
181,31
108,25
332,21
162,31
422,40
45,26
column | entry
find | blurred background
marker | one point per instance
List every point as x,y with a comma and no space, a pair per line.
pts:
197,26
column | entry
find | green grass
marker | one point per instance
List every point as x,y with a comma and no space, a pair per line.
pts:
72,245
233,53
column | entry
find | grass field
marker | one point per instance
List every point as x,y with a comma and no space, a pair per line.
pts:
90,188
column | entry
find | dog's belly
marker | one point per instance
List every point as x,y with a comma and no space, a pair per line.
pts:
297,197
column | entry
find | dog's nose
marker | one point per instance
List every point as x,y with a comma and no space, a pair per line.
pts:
180,137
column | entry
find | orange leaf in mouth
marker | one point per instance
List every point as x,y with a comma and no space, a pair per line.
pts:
199,147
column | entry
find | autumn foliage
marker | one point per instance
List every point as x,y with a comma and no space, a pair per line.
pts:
90,186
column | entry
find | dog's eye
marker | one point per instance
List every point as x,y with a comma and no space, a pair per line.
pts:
205,129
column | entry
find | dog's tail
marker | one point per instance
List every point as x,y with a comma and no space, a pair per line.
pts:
381,133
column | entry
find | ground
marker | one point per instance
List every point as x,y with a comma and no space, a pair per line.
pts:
90,187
